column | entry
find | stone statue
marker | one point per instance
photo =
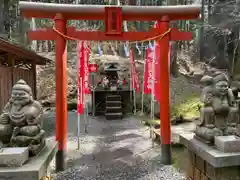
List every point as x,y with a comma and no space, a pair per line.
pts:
219,115
21,122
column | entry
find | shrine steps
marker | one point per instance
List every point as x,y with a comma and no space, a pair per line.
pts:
113,107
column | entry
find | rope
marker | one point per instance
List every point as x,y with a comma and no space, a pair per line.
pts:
132,42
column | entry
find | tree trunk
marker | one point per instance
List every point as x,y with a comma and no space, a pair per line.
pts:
201,36
6,20
174,47
1,18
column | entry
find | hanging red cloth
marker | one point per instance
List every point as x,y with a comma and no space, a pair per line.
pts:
80,53
135,78
148,72
85,68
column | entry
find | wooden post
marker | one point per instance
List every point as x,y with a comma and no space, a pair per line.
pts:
11,63
34,74
165,93
61,92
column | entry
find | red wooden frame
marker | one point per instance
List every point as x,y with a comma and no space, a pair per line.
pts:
50,34
113,13
63,12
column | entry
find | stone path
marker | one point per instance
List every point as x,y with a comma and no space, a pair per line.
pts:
112,150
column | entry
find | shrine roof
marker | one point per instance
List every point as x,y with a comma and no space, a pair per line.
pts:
21,53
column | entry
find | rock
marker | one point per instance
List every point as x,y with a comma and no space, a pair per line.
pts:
227,143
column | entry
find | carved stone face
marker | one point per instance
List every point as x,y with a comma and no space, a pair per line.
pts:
222,87
20,97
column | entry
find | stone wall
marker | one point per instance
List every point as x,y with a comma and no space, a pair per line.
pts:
198,169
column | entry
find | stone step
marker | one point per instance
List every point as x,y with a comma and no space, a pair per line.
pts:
113,116
113,109
113,103
113,98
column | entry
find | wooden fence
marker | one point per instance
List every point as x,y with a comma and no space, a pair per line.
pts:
8,77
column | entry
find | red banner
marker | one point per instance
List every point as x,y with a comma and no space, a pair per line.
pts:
135,78
80,54
157,72
148,72
83,54
93,68
86,72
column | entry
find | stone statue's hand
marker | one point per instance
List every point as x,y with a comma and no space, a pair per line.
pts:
31,121
4,118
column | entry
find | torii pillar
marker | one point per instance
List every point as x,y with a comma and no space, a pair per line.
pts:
113,17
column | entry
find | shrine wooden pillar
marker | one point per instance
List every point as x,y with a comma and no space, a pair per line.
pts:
61,92
165,92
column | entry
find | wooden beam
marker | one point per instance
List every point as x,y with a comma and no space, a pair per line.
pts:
176,35
50,34
42,34
34,74
11,59
97,12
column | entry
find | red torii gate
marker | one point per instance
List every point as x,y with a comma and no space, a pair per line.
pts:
113,17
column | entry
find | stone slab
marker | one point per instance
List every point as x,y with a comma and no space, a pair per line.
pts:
208,153
227,143
35,168
13,157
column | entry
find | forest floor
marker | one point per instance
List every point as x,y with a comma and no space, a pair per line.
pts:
120,150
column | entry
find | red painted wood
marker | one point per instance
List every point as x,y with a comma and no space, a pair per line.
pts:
97,12
61,84
100,16
113,14
50,34
176,35
164,89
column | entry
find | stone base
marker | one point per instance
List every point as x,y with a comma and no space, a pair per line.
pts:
203,140
35,168
36,149
208,163
13,157
227,143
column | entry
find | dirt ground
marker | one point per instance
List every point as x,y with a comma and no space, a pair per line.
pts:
119,149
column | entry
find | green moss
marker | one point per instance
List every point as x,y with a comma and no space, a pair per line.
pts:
189,109
177,156
153,122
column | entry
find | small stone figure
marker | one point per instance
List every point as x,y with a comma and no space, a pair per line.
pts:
219,115
21,122
105,82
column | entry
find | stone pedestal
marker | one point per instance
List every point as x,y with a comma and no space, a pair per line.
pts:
13,157
35,168
227,143
206,162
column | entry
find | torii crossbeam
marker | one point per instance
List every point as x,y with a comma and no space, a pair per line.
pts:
113,17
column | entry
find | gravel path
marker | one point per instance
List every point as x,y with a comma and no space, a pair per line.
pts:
111,150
